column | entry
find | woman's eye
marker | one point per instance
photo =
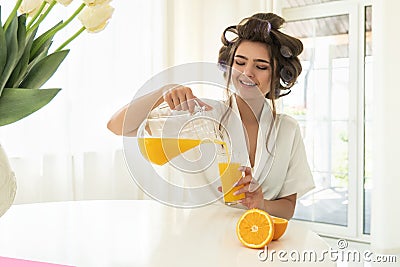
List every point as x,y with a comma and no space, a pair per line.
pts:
262,67
239,63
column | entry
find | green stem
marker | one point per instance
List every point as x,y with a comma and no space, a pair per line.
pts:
62,25
42,17
70,39
77,11
36,15
12,15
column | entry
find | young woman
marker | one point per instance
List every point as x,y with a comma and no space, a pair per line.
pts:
259,63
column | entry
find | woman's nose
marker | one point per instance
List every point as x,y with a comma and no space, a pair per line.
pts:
248,71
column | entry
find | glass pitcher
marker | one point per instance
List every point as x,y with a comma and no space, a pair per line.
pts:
190,138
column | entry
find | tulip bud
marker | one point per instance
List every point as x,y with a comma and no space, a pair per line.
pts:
64,2
94,18
96,2
30,7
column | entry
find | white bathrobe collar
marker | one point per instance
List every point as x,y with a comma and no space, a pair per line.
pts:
263,158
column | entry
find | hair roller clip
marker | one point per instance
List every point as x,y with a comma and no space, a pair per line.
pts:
222,66
262,26
231,29
286,52
269,26
277,93
287,74
288,92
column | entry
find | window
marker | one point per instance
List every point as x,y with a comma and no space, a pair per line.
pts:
328,102
320,104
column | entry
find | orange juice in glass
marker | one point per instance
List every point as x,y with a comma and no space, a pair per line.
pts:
230,175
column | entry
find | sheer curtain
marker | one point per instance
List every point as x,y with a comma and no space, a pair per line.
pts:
64,151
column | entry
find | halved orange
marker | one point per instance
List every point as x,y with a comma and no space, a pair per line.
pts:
255,228
280,225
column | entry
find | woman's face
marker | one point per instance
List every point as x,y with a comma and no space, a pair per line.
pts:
252,72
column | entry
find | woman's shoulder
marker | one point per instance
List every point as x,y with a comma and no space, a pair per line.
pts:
286,121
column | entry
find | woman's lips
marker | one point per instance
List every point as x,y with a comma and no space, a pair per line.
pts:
247,83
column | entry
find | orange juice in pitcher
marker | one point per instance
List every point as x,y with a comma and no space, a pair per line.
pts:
161,150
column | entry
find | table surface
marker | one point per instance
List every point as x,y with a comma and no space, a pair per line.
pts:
121,233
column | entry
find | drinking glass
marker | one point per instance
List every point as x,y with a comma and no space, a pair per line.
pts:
228,165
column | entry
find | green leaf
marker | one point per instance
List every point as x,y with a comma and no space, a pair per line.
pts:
21,34
42,53
42,41
21,41
14,75
43,70
21,69
3,47
12,52
17,103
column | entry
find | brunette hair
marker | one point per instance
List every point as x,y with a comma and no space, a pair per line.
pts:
284,51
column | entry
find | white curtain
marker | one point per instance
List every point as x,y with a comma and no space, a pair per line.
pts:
64,151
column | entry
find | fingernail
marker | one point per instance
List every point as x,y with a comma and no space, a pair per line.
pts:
236,193
242,168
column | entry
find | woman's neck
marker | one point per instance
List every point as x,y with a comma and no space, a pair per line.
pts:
250,110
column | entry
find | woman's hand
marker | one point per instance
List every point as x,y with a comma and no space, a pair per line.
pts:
254,197
182,98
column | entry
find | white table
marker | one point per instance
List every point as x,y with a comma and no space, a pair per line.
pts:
119,233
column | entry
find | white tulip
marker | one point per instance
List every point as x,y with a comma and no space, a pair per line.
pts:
30,7
96,2
95,18
64,2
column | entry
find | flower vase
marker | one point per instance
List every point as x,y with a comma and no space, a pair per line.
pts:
8,183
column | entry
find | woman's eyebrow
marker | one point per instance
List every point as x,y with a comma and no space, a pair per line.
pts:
255,60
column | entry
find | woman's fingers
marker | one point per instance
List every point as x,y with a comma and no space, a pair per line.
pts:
169,101
176,102
247,176
250,202
247,189
182,98
178,97
254,197
249,184
189,103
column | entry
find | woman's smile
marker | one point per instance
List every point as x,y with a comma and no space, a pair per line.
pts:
247,83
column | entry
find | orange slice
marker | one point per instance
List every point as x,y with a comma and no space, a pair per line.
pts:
280,225
255,228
